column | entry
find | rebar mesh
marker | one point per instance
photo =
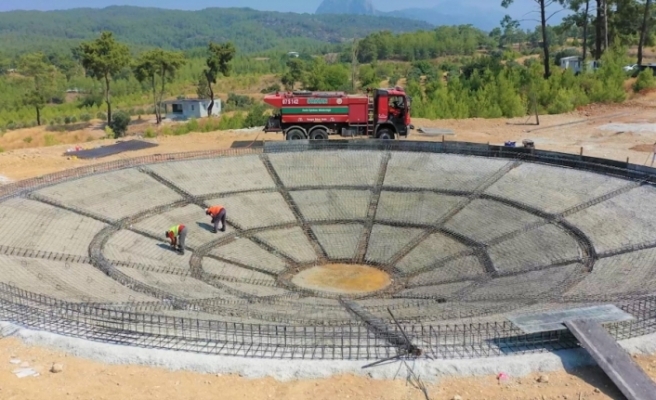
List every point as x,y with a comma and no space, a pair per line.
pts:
467,232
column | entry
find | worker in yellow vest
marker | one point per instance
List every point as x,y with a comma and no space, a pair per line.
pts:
177,235
218,214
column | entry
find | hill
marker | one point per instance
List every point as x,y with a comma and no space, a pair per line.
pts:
357,7
250,30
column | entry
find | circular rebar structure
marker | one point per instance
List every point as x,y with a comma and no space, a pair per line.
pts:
325,242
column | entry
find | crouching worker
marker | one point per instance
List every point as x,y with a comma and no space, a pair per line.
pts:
177,235
218,213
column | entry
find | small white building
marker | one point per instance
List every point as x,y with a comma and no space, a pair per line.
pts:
183,109
575,64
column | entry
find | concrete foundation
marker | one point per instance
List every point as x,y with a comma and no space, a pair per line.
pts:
626,273
625,220
553,189
484,220
292,242
414,207
460,269
385,241
191,216
327,168
113,195
246,252
216,175
255,210
33,225
339,241
327,205
68,281
465,240
129,247
539,247
230,271
440,171
430,251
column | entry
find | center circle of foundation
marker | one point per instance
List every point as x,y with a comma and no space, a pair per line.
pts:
342,279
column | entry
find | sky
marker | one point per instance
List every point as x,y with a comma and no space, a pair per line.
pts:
300,6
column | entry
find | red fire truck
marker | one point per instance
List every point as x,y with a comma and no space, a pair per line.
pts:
383,114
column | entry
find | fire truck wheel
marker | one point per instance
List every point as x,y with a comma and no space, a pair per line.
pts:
385,134
295,134
319,134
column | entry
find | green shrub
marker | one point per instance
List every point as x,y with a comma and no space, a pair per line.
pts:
150,133
27,139
101,115
238,101
193,126
645,80
119,123
50,140
73,119
271,89
85,117
67,120
255,117
234,122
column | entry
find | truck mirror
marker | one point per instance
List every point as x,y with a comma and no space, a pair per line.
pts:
411,127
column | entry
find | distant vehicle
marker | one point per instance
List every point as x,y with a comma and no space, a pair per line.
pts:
629,68
575,64
643,67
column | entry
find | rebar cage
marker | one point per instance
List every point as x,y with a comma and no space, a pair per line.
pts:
468,233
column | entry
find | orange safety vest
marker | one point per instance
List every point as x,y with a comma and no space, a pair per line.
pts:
215,210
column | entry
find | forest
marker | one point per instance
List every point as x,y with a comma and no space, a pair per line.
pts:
250,30
60,72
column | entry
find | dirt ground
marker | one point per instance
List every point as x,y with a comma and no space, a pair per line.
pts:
84,379
566,132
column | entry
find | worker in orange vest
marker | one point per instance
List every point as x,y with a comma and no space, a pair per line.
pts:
177,235
218,213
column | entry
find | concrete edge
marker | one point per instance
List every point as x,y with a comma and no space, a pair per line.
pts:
285,370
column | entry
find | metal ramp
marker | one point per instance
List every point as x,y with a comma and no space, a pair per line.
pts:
585,325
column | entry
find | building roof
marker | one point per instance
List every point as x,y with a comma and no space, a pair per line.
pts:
180,101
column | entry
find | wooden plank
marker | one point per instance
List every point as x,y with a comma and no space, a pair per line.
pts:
613,359
554,320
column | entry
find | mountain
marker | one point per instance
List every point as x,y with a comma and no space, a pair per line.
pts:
354,7
250,30
461,12
456,15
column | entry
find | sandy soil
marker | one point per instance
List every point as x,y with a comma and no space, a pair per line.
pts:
343,278
574,132
83,379
86,380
